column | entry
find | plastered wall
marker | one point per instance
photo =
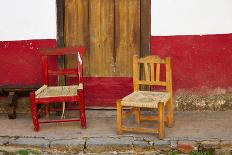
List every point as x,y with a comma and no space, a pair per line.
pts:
191,17
27,19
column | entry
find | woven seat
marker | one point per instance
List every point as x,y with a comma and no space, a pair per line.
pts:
145,99
147,74
53,91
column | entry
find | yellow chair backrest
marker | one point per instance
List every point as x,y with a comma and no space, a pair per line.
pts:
152,72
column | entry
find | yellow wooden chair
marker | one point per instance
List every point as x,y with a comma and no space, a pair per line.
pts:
148,99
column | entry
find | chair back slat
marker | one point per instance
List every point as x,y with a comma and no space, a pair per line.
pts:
151,75
45,69
63,72
62,51
157,72
152,59
152,83
147,72
152,72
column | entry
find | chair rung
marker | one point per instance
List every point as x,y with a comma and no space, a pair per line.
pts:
149,118
60,109
158,83
59,121
63,72
142,130
152,118
57,99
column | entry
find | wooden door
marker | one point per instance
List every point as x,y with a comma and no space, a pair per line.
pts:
112,30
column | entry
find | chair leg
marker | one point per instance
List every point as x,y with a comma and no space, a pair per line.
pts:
161,120
34,112
137,115
119,117
82,110
47,111
170,113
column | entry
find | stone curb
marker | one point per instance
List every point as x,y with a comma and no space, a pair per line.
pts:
113,144
109,144
69,145
4,140
30,141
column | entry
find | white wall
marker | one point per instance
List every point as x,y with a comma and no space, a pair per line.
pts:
191,17
27,19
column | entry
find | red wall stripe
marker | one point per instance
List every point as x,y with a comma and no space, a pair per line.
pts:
197,61
104,91
20,62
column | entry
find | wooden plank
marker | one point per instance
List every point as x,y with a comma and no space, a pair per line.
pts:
60,22
101,28
145,27
127,34
77,30
60,36
145,32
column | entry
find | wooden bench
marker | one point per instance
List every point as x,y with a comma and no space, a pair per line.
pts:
13,92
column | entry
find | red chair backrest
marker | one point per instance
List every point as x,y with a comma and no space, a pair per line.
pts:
78,71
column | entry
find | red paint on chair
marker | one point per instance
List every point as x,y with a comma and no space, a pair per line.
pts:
77,97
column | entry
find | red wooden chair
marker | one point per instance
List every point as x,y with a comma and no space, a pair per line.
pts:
52,94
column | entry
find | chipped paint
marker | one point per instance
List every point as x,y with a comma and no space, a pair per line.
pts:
20,62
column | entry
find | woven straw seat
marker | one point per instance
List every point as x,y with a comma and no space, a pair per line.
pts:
145,99
53,91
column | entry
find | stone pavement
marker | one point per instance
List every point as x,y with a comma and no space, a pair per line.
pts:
208,129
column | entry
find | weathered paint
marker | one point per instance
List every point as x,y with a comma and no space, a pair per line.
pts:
204,99
20,62
201,65
197,61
